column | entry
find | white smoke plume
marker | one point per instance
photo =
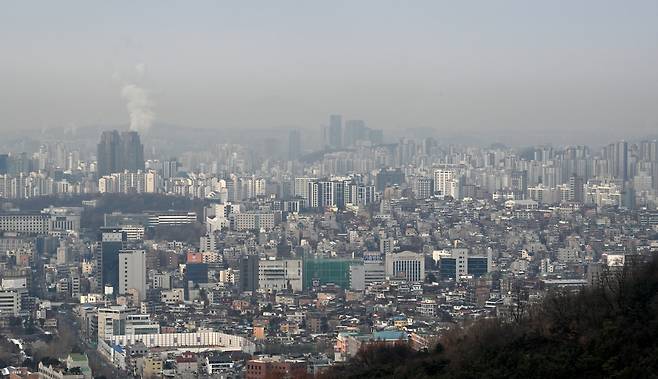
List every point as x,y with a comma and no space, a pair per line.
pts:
139,104
140,107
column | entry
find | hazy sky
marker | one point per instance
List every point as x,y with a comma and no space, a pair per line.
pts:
547,68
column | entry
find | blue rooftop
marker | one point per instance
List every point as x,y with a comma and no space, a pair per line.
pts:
388,335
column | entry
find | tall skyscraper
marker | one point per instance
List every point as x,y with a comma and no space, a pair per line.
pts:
519,183
249,273
116,153
617,157
109,153
649,151
169,168
576,189
132,272
621,160
132,152
294,145
111,244
355,130
335,131
442,179
300,188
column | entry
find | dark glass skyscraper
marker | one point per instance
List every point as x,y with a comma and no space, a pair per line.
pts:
249,273
132,151
117,153
355,130
111,244
109,153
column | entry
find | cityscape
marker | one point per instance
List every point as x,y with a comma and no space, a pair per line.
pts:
345,246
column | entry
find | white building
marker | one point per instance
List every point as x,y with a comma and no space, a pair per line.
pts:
277,275
10,303
254,220
442,179
203,340
406,265
301,188
132,271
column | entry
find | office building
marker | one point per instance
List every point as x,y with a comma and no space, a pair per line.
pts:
249,273
459,262
108,153
111,244
373,270
405,265
10,303
196,273
119,152
279,275
171,218
25,222
253,220
318,272
111,322
132,152
132,272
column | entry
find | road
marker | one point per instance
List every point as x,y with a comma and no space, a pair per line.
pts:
67,323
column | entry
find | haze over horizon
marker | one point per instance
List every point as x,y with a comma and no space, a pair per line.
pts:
555,71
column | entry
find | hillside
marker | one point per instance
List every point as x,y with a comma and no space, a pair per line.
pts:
610,331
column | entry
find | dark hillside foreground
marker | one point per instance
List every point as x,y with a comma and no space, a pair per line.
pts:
607,331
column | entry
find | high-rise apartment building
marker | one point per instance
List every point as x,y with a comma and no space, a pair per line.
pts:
442,179
617,157
422,187
519,183
576,189
169,169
